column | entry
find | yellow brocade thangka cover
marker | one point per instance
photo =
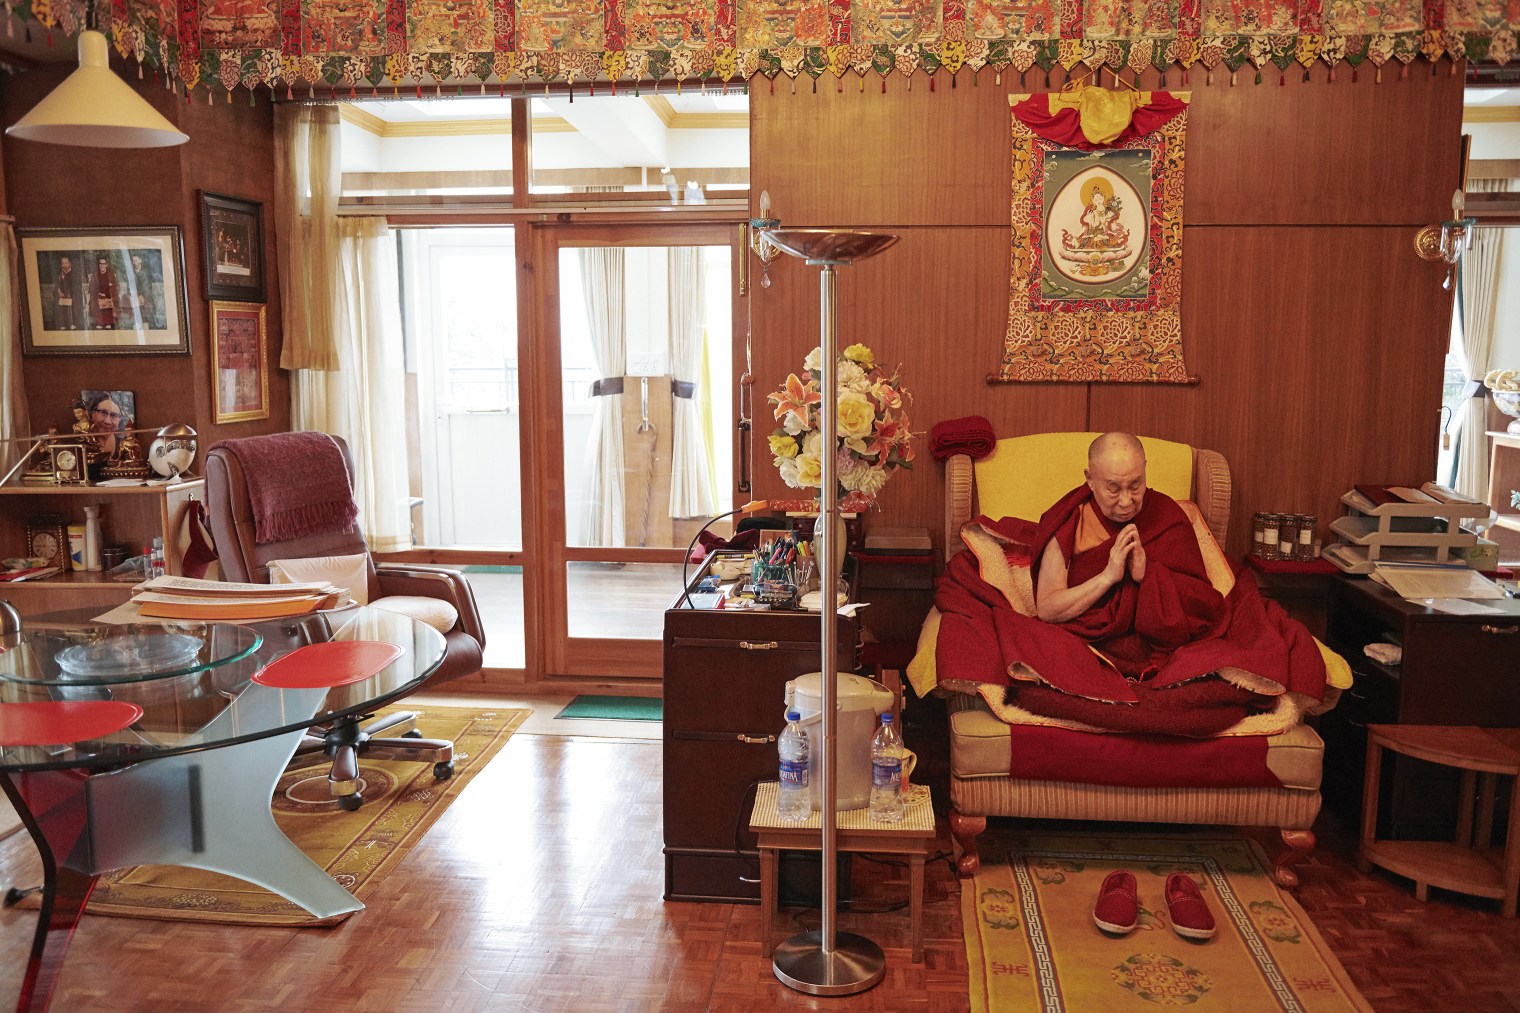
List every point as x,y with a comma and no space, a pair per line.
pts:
1031,943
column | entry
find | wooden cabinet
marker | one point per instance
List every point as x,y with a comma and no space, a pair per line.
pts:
1456,670
130,516
725,691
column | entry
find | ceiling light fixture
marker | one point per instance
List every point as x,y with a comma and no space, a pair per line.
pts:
94,108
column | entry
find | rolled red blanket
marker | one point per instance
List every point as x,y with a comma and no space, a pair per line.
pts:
970,435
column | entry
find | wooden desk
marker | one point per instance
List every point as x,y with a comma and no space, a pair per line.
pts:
1462,865
912,838
1456,670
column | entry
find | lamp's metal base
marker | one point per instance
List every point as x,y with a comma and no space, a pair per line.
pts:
854,965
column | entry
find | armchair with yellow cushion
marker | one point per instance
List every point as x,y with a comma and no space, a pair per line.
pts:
1265,771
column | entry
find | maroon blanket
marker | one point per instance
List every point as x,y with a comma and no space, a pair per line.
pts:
298,484
1160,639
970,435
1139,761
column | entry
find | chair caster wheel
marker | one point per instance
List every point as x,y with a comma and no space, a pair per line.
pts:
443,771
413,734
350,803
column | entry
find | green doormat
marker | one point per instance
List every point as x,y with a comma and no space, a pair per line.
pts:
619,708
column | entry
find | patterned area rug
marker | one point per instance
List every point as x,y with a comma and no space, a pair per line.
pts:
1031,943
401,801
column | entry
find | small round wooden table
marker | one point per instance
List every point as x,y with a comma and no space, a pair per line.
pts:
1464,865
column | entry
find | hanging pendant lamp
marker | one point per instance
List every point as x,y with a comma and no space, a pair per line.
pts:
94,108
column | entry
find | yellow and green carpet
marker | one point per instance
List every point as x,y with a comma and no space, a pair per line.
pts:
1031,943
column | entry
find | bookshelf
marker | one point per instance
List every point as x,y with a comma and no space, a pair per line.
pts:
131,516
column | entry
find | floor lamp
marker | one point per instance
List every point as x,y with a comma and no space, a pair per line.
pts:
827,962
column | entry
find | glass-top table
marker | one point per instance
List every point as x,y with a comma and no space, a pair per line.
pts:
180,748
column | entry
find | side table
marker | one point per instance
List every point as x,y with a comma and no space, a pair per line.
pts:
857,832
1463,866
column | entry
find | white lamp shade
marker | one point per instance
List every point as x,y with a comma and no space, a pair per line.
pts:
94,108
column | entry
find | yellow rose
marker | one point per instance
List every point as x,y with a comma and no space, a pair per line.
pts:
809,471
783,446
856,415
862,355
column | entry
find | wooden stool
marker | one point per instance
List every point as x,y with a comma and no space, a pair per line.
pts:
1463,866
913,838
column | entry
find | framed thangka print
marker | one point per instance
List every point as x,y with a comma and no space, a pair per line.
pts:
1096,267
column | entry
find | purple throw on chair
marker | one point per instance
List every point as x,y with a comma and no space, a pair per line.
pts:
297,483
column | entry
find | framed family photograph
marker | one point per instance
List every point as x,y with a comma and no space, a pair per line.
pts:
239,364
232,242
106,291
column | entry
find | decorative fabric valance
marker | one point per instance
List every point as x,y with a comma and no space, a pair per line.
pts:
362,43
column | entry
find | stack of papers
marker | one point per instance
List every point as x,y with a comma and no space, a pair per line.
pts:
1454,589
213,600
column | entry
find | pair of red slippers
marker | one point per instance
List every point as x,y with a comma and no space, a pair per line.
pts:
1118,907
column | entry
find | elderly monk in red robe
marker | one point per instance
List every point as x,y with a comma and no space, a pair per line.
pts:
1126,615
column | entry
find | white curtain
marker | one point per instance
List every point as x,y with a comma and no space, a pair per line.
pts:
14,420
363,400
342,321
602,284
690,487
1479,292
307,186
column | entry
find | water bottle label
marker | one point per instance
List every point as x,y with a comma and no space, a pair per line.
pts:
794,774
885,772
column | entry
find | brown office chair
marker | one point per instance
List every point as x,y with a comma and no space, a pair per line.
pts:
230,512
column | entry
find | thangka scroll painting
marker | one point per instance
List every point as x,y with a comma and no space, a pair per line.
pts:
1095,291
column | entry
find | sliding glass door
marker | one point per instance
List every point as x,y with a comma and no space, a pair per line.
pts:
640,319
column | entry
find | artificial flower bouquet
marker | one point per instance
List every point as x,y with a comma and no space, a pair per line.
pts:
875,438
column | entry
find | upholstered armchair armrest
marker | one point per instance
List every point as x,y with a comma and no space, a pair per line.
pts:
425,581
959,489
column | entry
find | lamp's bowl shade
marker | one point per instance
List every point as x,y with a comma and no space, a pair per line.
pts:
94,108
829,246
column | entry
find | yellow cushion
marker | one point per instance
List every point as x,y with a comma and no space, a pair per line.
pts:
1025,475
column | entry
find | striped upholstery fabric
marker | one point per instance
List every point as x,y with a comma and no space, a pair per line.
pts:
1283,808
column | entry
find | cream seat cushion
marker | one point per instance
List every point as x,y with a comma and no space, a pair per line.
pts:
436,612
980,747
350,572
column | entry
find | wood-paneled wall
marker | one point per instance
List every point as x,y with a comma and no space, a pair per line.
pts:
231,151
1316,334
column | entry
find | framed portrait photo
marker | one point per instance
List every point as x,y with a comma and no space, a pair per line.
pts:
232,246
108,291
239,366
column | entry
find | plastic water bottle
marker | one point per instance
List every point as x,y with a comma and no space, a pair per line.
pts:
792,802
886,773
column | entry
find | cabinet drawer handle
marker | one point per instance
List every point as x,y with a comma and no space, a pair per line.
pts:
1503,631
768,645
755,740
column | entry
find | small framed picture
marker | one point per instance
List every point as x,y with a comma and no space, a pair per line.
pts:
232,242
103,291
239,368
70,464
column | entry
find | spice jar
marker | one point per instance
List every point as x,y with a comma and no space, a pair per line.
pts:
1258,532
1287,536
1306,525
1271,525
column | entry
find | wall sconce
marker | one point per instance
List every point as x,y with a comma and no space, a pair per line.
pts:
1446,241
759,242
95,108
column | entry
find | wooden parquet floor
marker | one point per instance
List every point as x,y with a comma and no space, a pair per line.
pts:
540,889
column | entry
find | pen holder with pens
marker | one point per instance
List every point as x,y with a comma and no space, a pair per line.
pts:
775,583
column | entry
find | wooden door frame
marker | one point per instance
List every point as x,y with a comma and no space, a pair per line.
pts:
545,552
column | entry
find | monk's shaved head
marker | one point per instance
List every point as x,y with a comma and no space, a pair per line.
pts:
1111,445
1116,474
